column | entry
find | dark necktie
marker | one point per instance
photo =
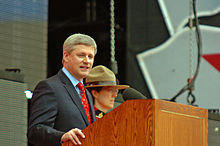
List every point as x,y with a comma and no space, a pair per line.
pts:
84,100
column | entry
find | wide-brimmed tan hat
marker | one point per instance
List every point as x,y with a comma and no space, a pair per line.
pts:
101,76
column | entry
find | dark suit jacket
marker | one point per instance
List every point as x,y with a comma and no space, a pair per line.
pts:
55,109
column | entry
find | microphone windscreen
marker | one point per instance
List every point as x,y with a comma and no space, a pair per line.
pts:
131,93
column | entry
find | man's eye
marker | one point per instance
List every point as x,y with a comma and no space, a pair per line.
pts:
81,55
91,57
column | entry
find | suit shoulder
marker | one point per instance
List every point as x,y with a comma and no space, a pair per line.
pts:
51,81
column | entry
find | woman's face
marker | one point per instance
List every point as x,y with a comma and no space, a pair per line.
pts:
105,98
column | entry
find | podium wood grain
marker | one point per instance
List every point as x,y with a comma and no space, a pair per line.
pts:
149,123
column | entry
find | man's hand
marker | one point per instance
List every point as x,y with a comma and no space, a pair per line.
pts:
72,136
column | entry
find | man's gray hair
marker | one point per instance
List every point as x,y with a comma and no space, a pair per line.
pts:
77,39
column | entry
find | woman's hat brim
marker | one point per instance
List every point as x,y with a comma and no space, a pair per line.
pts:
116,86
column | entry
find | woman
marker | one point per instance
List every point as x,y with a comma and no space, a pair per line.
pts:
102,84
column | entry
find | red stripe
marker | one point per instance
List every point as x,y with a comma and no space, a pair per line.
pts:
213,59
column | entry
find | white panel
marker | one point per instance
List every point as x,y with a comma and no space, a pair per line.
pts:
176,12
166,68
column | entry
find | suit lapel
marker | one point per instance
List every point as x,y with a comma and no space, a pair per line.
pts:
73,94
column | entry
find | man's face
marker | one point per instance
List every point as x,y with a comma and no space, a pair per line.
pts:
105,98
80,61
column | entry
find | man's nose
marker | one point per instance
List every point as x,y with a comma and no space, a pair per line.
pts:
86,59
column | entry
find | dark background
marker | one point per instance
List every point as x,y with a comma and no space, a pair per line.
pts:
139,26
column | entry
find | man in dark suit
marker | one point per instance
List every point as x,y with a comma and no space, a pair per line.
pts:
56,112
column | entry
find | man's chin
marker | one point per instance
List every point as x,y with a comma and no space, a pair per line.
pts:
84,75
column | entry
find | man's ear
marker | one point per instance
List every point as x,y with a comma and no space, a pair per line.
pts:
94,93
65,56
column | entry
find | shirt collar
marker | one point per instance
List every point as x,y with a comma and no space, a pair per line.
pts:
73,80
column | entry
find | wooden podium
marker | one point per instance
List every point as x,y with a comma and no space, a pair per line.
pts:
149,122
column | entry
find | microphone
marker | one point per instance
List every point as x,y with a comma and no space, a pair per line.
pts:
131,93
